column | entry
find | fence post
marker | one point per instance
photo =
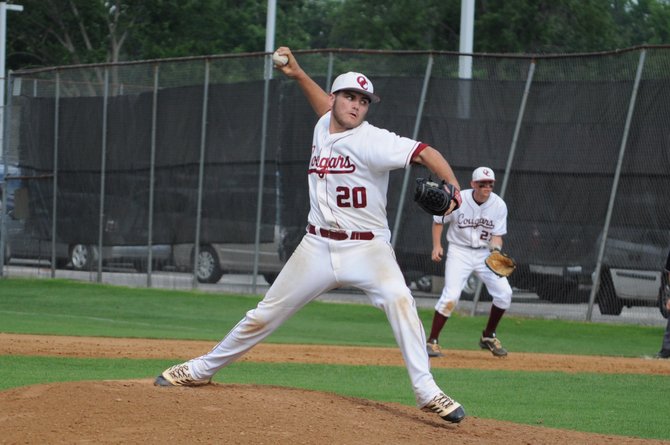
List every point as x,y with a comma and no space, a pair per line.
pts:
54,208
152,175
261,169
103,167
5,192
329,72
615,185
201,173
510,158
415,134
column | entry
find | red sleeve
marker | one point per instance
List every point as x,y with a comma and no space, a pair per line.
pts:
419,148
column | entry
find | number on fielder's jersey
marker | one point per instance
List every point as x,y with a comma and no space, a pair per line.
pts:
355,197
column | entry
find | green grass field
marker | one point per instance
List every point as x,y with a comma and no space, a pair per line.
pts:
629,405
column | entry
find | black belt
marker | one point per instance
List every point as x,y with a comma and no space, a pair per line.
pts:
340,235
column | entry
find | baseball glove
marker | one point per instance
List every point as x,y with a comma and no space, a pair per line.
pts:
500,263
436,198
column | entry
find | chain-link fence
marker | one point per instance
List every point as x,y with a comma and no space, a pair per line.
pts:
198,165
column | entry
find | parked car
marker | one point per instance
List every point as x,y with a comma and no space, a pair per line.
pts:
631,274
216,259
28,229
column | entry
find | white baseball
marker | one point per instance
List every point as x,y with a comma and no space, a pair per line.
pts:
279,60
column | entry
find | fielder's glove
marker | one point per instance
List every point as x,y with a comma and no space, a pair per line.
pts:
500,263
436,198
665,296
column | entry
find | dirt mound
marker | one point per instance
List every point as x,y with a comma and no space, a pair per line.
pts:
135,411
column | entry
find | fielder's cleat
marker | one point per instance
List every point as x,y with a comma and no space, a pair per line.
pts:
179,375
446,407
433,349
493,344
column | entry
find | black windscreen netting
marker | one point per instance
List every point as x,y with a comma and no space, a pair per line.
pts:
555,163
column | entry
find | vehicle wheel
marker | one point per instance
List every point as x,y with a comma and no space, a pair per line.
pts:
270,277
82,257
424,283
608,302
663,297
208,269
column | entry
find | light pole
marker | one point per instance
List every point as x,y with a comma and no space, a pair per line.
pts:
4,7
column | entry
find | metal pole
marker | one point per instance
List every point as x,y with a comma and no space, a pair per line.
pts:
103,167
510,158
466,38
615,185
4,7
152,175
415,134
261,175
464,98
270,36
54,208
5,197
269,48
329,72
201,173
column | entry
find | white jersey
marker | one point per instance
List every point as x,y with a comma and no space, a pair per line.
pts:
349,175
473,225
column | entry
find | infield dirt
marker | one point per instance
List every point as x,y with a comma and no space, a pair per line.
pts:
134,411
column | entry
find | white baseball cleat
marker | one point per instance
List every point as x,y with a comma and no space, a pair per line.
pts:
446,407
179,375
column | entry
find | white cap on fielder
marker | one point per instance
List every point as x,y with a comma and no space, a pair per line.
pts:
483,174
355,82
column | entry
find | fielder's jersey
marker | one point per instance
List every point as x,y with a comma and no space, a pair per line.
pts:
473,225
349,175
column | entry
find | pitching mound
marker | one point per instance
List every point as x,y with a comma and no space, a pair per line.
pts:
135,411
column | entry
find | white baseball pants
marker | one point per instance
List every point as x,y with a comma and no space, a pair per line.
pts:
461,262
317,266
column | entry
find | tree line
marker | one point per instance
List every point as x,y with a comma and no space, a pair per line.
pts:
65,32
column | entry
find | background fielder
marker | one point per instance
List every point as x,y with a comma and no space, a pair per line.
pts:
347,241
474,229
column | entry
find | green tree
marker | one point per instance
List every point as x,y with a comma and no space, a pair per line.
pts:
400,24
545,26
68,32
60,32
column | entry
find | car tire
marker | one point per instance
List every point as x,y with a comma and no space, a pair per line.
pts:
270,277
663,296
424,283
208,268
82,257
608,302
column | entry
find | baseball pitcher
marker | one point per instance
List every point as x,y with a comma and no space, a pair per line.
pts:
347,238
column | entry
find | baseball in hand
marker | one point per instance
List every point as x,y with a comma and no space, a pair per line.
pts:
278,59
